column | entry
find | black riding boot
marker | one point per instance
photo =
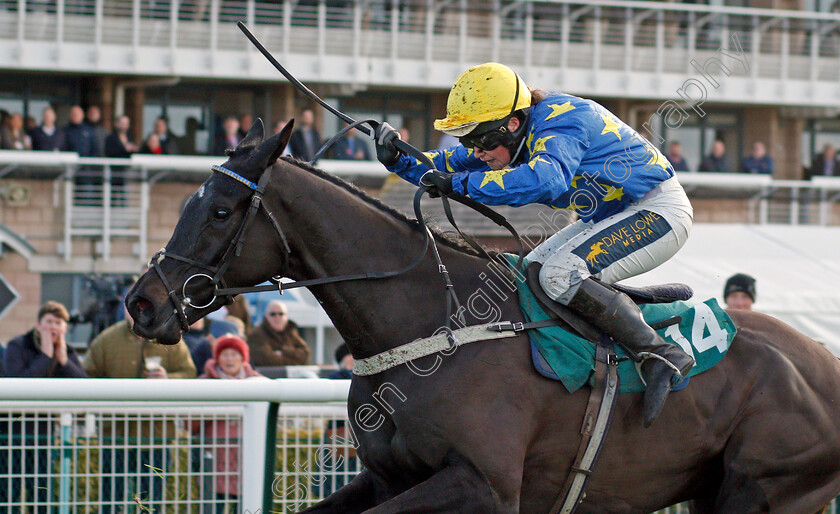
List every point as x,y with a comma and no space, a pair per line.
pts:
616,315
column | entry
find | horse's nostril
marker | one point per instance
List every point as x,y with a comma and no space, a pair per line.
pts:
142,305
141,309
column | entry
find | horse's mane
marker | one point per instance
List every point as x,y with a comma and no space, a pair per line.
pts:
455,243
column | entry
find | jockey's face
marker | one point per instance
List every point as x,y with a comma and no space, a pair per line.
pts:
496,158
500,156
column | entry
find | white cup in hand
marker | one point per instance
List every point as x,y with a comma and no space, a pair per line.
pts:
152,362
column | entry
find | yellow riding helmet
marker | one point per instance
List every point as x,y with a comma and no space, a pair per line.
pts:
483,93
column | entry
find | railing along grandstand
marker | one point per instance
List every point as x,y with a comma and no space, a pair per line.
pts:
609,47
110,198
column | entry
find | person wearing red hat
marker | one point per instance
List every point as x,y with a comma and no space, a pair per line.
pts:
231,358
230,361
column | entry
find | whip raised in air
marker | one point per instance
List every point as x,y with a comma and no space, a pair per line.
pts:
401,145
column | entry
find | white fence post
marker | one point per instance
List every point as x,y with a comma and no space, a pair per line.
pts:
254,423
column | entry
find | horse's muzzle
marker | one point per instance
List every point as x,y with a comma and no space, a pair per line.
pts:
153,319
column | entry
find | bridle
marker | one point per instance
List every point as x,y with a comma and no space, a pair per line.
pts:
233,249
216,273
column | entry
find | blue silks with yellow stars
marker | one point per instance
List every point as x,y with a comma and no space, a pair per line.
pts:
577,155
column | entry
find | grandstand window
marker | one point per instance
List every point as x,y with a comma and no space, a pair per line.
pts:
697,135
29,95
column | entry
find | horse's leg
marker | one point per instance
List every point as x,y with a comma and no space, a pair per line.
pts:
740,493
702,506
459,487
356,496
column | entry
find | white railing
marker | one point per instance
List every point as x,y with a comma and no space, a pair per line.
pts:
95,445
601,47
76,445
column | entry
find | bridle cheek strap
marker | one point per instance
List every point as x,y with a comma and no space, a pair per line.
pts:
233,249
170,291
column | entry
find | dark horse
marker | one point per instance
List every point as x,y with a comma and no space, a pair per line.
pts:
484,432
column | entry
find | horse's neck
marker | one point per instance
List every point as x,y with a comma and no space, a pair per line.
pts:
334,232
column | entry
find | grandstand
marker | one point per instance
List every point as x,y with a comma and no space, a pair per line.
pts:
738,71
754,71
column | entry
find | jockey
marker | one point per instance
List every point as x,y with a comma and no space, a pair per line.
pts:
521,146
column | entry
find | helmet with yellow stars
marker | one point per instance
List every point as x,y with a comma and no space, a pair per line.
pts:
485,93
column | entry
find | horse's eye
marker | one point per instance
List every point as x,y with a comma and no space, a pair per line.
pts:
221,214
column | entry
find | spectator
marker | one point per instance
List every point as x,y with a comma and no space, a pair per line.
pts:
230,361
404,134
245,121
305,140
239,310
152,145
165,137
675,157
29,124
351,147
187,144
825,164
79,137
228,137
115,353
119,353
13,136
199,344
758,162
42,352
236,324
47,136
345,362
93,119
275,341
118,144
739,292
716,160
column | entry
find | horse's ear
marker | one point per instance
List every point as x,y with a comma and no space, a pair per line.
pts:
278,142
253,138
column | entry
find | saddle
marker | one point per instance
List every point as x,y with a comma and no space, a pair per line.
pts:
664,293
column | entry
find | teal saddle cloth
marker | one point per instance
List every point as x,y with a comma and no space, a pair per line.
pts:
705,332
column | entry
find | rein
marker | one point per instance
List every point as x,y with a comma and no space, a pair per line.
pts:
238,242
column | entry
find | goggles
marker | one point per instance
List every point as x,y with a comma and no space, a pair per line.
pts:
486,141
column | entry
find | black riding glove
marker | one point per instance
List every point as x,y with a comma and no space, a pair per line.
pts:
383,139
437,183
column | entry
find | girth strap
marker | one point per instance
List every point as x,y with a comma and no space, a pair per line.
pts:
428,346
596,424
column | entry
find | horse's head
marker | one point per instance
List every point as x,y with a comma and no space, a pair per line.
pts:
203,254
